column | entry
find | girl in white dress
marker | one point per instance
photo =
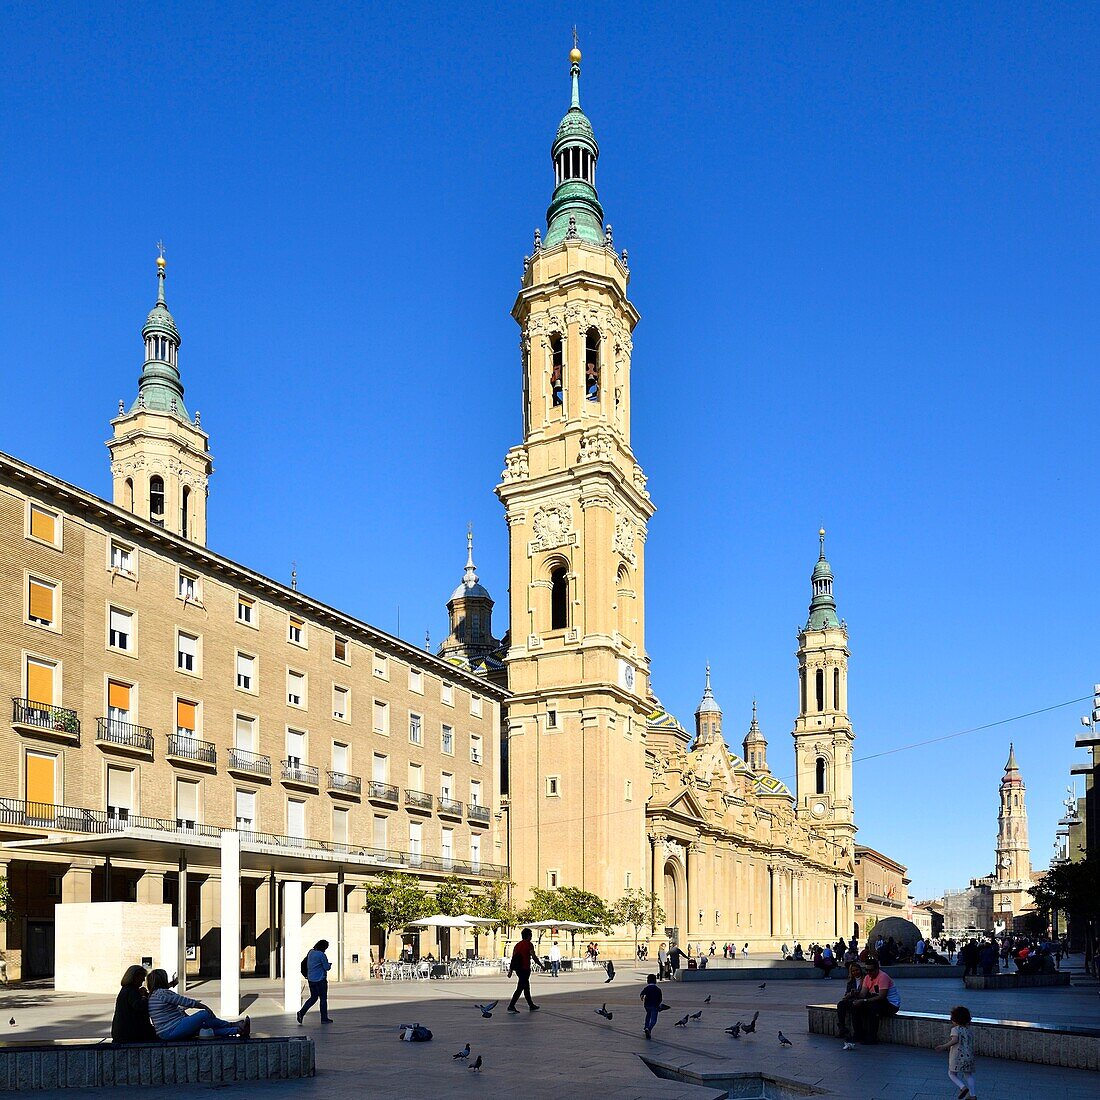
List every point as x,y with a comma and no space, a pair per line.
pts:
960,1057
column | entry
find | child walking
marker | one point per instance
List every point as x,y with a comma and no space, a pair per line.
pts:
960,1059
651,1001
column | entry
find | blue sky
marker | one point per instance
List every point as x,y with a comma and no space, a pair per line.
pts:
863,241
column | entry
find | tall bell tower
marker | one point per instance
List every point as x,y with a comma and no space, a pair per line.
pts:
823,734
577,508
1012,875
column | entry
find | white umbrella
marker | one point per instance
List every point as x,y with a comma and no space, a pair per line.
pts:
440,920
479,920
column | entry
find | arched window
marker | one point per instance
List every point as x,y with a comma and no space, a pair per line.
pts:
592,365
156,500
559,599
802,689
557,369
185,505
130,493
820,689
836,689
819,778
624,600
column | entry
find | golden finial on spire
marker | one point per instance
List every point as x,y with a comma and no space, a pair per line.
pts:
575,53
161,261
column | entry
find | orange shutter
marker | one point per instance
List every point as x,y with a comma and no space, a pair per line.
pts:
43,525
118,696
40,779
40,683
41,601
185,715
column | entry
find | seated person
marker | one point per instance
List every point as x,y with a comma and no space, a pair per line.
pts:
878,996
131,1023
799,954
171,1022
851,991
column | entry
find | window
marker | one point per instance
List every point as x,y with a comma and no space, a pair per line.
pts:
296,818
187,652
475,792
557,371
53,886
416,681
475,749
296,631
447,694
448,740
592,365
340,757
552,879
189,587
447,847
475,853
295,747
185,508
381,717
339,825
553,786
122,558
446,785
246,672
295,688
340,649
121,630
41,781
819,775
380,831
246,809
629,793
552,719
475,705
415,734
341,700
41,602
187,715
416,777
416,833
246,610
836,689
118,703
380,768
187,803
44,525
244,734
559,599
820,681
381,666
120,792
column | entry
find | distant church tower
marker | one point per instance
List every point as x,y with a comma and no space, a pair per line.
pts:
708,717
470,610
1012,876
577,508
755,747
160,458
823,732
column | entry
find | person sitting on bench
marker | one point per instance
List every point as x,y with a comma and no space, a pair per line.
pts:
166,1010
131,1023
878,996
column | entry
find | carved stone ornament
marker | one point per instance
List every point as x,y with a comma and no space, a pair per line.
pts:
516,466
624,539
552,527
596,444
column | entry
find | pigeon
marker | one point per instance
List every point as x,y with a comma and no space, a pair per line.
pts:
12,1021
476,1067
487,1010
784,1041
750,1027
707,1000
761,985
603,1012
610,971
735,1031
463,1054
696,1015
682,1023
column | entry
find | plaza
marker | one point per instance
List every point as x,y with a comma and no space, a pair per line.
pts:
566,1049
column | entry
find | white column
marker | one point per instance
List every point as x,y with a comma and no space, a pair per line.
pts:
292,946
231,925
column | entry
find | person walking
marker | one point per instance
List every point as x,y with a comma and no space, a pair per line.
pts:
675,957
745,951
523,958
712,947
662,962
555,960
171,1022
651,1001
960,1053
918,951
315,967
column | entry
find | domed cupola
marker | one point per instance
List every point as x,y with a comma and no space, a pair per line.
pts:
823,605
575,211
708,717
160,387
470,611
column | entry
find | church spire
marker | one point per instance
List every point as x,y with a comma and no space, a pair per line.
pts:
822,605
469,577
755,746
159,387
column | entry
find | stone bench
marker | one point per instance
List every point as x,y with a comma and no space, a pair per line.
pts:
86,1063
1014,1040
1016,981
795,971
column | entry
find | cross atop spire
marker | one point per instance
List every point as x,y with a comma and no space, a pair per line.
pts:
469,578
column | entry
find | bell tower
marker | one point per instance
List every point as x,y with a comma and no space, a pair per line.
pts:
1012,875
823,732
577,508
160,457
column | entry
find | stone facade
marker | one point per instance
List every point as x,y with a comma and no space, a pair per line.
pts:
882,890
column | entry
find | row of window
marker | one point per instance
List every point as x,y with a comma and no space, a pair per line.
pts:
819,690
554,788
591,367
43,603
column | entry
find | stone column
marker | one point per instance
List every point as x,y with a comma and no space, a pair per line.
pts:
76,883
181,922
773,906
292,946
341,944
150,888
313,898
688,869
230,968
267,901
210,902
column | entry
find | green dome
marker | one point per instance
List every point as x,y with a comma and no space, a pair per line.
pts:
575,126
823,605
160,321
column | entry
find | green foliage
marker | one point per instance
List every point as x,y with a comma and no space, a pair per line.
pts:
569,903
639,908
396,899
453,897
494,905
1073,888
5,900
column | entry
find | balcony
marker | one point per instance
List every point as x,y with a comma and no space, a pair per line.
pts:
252,764
475,756
450,807
55,722
297,774
184,749
110,733
419,800
477,815
382,792
350,786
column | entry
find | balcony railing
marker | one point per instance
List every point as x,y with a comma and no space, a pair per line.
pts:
381,792
191,748
26,712
479,814
450,807
111,731
296,772
342,783
881,899
253,763
419,800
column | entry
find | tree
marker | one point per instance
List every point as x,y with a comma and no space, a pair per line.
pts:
569,903
5,900
453,897
395,900
638,907
1074,889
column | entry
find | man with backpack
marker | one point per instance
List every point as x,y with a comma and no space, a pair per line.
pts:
315,968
